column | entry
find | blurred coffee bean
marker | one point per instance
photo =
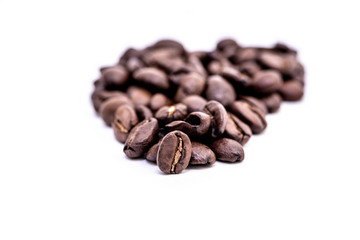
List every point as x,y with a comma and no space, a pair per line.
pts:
227,150
191,84
141,138
143,112
152,152
249,68
291,91
100,96
124,120
266,81
237,129
108,108
174,152
255,102
139,95
194,103
201,154
233,75
115,76
159,100
220,90
152,77
272,102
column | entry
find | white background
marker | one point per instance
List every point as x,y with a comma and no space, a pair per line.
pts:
63,175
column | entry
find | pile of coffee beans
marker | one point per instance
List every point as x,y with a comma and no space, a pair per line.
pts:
178,108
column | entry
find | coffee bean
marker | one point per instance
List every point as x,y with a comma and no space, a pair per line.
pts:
174,152
272,102
152,77
220,90
159,100
191,84
246,54
291,91
218,116
194,103
201,154
228,150
115,76
165,59
237,129
249,68
169,43
138,95
226,44
267,81
141,137
108,108
128,54
196,65
251,115
231,74
196,124
255,102
168,114
125,119
143,112
100,96
152,152
133,64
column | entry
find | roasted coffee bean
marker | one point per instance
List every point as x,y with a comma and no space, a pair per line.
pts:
100,96
143,112
231,74
285,63
169,43
191,84
283,48
194,103
226,44
129,53
249,67
251,115
152,152
134,64
201,154
227,150
196,65
168,114
152,77
237,129
291,91
245,54
272,102
124,120
141,138
218,116
174,152
159,100
195,125
115,76
139,95
220,90
108,108
166,59
255,102
267,81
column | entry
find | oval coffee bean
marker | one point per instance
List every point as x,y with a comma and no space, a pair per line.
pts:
195,125
194,103
174,152
152,152
141,137
124,120
218,116
168,114
233,75
266,81
153,77
255,102
291,91
139,95
159,100
115,76
272,102
143,112
252,116
249,68
201,154
108,108
237,129
227,150
192,83
220,90
100,96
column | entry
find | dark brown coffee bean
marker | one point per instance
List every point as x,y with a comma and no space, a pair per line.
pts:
196,65
138,95
129,53
195,125
159,100
226,44
152,152
134,64
191,84
237,129
283,48
167,59
249,67
108,108
115,76
169,43
174,152
152,77
228,150
220,90
267,81
255,102
218,116
141,137
201,154
143,112
285,63
124,120
100,96
194,103
291,91
168,114
272,102
251,115
231,74
246,54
